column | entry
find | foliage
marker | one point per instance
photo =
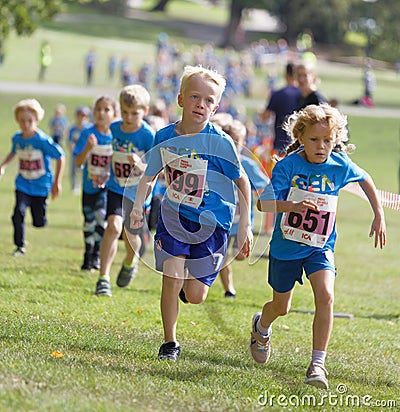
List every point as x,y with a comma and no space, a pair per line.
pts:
24,16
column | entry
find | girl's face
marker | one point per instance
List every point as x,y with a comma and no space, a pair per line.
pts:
104,114
305,78
27,122
318,143
199,99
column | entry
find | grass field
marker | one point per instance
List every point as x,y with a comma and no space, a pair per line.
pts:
109,346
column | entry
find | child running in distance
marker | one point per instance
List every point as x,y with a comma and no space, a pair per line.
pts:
306,185
132,138
93,150
258,180
200,164
35,179
82,114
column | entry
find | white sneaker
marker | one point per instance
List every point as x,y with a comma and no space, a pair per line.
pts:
316,376
260,346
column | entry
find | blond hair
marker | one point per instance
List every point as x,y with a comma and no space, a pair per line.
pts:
206,74
134,95
31,105
297,124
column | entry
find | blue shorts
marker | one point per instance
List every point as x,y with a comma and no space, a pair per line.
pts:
283,274
204,246
121,206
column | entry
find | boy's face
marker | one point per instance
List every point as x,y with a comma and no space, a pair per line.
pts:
199,100
132,117
27,121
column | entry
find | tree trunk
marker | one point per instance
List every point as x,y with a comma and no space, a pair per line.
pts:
160,6
233,35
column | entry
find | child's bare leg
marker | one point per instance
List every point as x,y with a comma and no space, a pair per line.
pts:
133,243
195,291
226,275
322,283
173,278
109,244
278,306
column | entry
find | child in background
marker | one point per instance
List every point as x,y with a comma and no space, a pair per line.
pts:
93,150
82,114
306,185
35,179
200,164
58,123
258,180
132,138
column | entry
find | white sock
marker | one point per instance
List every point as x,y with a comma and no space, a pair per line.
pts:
318,356
265,332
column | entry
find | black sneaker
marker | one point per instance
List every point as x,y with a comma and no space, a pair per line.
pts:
125,275
19,251
95,261
103,288
87,262
230,295
182,296
170,351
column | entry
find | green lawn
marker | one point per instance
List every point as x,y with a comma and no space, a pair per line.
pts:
109,346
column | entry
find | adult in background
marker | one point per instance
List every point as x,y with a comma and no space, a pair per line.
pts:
308,84
282,103
90,62
45,59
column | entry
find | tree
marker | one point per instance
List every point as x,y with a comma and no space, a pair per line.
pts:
160,6
24,16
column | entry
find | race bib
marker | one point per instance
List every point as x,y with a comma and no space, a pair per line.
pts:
310,227
31,164
99,160
124,173
236,217
186,178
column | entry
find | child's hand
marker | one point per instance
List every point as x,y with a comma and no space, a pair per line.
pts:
136,217
245,240
138,167
100,180
378,228
55,190
91,141
304,205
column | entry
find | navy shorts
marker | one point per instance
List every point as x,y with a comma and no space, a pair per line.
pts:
121,206
283,274
204,246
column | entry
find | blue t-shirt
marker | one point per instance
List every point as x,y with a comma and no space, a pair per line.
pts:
258,180
283,102
139,142
223,166
75,132
102,139
35,154
326,178
57,126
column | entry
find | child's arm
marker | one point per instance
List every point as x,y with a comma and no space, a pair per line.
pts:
56,188
245,234
5,163
145,187
378,227
81,157
281,206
